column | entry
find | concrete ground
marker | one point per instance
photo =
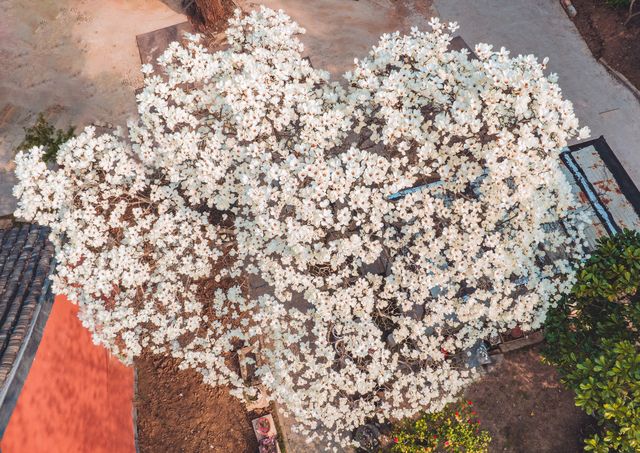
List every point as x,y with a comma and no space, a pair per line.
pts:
541,27
337,31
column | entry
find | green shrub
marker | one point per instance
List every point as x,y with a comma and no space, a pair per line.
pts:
44,134
592,337
454,429
616,3
608,387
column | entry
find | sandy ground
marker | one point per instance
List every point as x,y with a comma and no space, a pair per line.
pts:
337,31
75,60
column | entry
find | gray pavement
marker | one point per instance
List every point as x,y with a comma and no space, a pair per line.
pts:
541,27
337,31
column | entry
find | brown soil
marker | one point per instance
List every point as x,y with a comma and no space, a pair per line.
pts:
177,412
527,410
602,28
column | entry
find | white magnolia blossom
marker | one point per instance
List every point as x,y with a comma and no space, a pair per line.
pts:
248,164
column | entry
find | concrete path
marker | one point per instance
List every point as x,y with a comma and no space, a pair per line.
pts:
541,27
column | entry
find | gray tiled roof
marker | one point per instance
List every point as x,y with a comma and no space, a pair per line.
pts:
26,259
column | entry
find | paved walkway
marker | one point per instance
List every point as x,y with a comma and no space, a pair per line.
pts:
77,398
541,27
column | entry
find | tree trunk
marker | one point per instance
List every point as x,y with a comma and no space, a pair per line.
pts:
207,13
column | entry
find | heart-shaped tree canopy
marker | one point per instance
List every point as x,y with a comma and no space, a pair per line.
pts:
366,232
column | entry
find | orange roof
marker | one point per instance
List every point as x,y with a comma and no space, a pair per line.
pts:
76,398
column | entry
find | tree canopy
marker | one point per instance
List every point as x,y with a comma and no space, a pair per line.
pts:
250,163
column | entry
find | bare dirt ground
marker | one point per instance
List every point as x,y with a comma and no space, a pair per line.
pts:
526,408
178,412
602,27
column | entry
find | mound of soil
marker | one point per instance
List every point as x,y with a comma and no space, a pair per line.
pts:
602,27
177,412
527,410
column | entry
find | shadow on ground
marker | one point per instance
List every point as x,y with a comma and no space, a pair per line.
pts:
526,408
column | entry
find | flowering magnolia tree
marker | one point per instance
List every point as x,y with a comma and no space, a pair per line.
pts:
250,163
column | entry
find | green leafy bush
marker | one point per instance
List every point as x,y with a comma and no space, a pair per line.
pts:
592,337
618,2
609,389
44,134
454,429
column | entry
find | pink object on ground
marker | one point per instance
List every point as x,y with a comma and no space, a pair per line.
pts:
76,398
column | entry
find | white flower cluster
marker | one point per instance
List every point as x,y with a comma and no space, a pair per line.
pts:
249,161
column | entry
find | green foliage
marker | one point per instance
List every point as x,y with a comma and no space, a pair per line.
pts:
613,272
592,337
454,429
603,304
608,387
44,134
617,3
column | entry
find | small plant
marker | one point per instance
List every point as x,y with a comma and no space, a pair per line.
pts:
264,426
603,304
592,337
454,429
617,3
42,133
268,445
